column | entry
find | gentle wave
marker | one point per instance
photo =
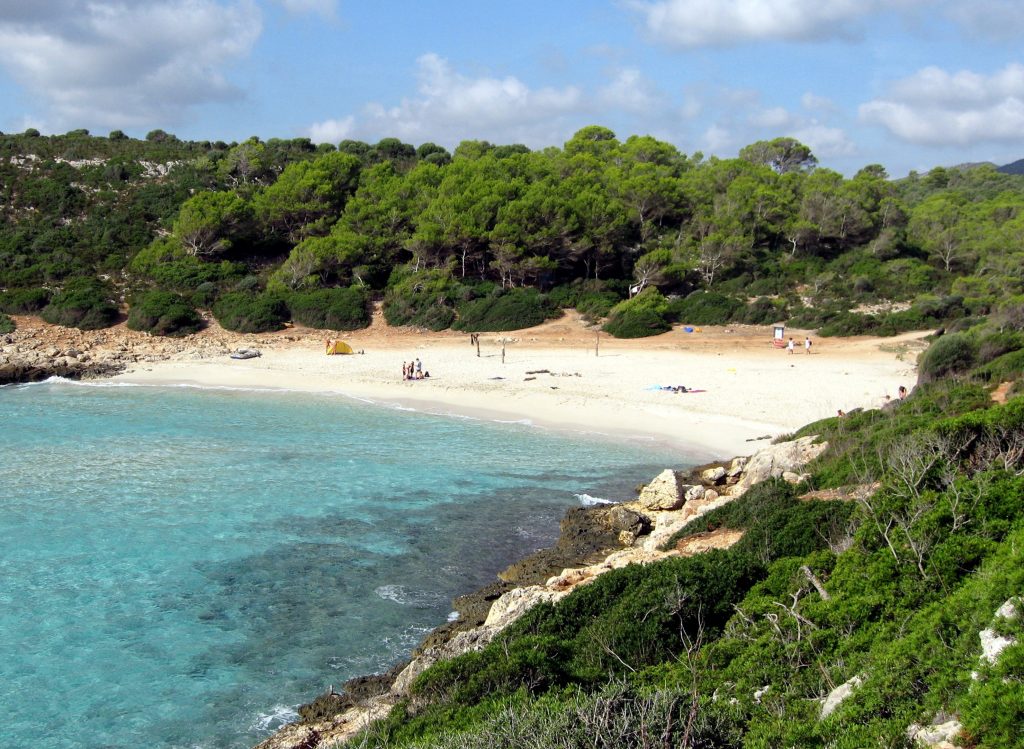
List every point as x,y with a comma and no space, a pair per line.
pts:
274,718
405,597
587,501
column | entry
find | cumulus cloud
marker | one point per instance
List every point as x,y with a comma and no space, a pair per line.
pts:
332,131
825,141
451,106
936,107
698,23
108,63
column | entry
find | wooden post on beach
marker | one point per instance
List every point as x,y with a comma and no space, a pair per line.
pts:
502,350
597,341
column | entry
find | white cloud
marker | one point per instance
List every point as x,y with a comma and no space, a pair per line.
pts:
332,131
630,91
451,107
824,141
113,64
326,8
935,107
699,23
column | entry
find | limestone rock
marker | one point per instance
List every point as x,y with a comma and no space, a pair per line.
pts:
665,492
993,644
713,475
937,735
710,494
837,695
775,460
627,521
694,493
517,602
736,467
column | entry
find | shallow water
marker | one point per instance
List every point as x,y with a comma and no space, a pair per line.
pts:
182,567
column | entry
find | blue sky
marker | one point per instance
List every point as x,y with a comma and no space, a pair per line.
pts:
909,84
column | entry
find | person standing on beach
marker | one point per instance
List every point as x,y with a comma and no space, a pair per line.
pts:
789,346
419,369
807,345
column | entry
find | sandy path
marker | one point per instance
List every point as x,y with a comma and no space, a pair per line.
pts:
749,389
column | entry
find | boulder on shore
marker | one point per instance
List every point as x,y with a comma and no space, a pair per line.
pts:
666,492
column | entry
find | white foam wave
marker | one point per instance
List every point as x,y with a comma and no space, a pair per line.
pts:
588,501
405,597
453,616
274,718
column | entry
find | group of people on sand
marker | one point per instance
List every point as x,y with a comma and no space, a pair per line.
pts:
414,371
791,346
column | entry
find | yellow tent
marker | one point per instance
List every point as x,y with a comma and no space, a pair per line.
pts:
338,347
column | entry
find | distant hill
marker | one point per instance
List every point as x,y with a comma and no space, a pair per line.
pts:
1016,167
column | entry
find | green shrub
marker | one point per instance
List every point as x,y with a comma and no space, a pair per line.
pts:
643,315
705,308
83,303
423,299
6,324
949,356
163,313
1003,368
250,313
761,311
204,294
331,309
996,344
514,309
24,301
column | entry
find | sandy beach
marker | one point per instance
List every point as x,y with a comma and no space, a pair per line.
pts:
744,391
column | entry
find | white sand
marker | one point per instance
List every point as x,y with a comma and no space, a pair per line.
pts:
750,390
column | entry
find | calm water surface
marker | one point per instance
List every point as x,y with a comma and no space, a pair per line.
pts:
182,567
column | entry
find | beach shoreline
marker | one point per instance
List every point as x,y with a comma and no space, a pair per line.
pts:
742,391
564,375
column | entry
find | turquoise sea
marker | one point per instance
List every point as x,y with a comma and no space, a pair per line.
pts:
183,567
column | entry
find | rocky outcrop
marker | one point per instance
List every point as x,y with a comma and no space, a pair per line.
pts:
666,492
993,643
593,541
785,460
837,695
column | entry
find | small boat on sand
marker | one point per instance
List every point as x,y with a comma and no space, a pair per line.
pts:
245,353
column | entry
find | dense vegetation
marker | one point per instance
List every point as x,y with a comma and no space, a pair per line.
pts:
738,648
630,232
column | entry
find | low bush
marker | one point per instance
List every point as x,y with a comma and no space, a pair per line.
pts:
949,356
514,309
762,311
163,313
331,309
705,308
423,299
1005,368
6,324
24,301
250,313
83,303
643,315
